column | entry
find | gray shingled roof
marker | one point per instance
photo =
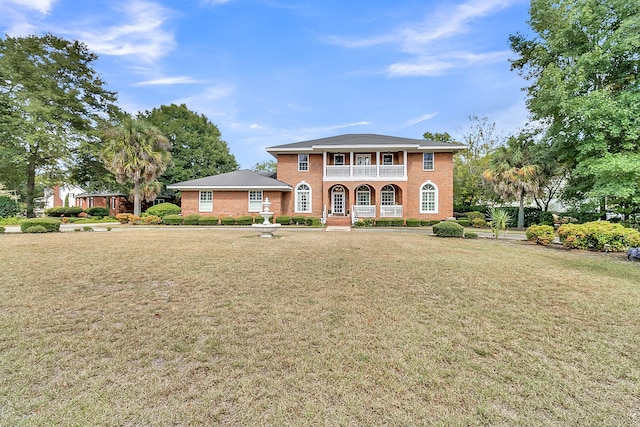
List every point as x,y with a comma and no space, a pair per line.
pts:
365,140
238,180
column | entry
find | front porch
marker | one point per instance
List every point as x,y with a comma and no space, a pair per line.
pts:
371,211
375,165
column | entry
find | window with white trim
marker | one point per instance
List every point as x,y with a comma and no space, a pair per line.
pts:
303,162
387,159
338,159
303,198
205,201
428,198
363,195
427,161
255,201
388,195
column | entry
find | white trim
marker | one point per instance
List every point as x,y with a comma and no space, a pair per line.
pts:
300,162
207,207
309,195
257,202
433,162
227,188
436,197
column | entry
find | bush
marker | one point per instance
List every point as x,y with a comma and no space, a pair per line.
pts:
73,211
474,215
35,229
2,230
150,220
87,228
172,220
383,222
412,222
470,235
56,212
208,220
429,222
463,222
299,220
596,234
128,218
50,224
164,209
244,220
313,222
8,207
358,223
97,211
540,234
479,223
397,222
546,218
448,229
191,219
284,220
227,220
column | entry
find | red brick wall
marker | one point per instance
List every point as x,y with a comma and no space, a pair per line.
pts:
441,176
287,171
229,203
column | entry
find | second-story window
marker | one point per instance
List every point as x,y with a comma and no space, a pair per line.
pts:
338,159
387,159
427,161
303,162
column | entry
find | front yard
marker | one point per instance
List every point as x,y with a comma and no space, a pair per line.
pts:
220,327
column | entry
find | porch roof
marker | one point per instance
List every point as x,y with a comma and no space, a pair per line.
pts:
240,180
363,142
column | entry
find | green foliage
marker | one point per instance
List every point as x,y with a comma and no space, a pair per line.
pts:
429,222
397,222
299,220
197,147
35,229
448,229
470,235
208,220
540,234
463,222
412,222
500,219
383,222
283,219
8,207
2,229
266,166
244,220
73,211
595,235
87,228
191,219
546,218
474,215
49,224
128,218
164,209
227,220
150,220
172,219
97,211
52,101
479,223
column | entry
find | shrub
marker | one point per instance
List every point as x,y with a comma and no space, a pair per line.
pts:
128,218
8,207
540,234
2,230
397,222
474,215
56,212
164,209
150,220
470,235
479,223
359,223
429,222
546,218
73,211
463,222
500,220
191,219
50,224
227,220
172,220
448,229
284,220
87,228
383,222
208,220
299,220
97,211
244,220
412,222
313,222
35,229
597,234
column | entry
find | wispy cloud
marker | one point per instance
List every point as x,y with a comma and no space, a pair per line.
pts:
164,81
214,101
42,6
216,2
420,119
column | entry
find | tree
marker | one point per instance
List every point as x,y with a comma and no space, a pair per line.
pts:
266,166
513,172
197,147
583,66
137,153
51,100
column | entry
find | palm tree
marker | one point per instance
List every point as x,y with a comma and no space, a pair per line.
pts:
138,153
513,173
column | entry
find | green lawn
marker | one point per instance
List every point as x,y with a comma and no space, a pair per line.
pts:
220,327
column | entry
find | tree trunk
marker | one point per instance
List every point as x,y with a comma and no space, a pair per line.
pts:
521,213
31,185
136,199
603,208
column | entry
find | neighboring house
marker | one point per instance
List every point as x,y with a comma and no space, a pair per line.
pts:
354,176
114,201
56,197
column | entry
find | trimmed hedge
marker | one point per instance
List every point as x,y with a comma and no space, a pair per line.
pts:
164,209
448,229
73,211
412,222
397,222
172,220
191,219
463,222
540,234
284,220
2,230
97,211
479,222
429,222
50,224
383,222
36,229
596,234
56,212
470,235
474,215
244,220
208,220
227,220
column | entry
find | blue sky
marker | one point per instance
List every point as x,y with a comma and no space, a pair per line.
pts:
270,72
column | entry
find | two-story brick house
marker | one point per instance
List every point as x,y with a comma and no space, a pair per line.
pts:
353,176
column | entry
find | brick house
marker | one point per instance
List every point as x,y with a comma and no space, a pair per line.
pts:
116,202
338,178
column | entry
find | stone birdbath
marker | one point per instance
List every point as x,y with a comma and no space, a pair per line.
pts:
266,228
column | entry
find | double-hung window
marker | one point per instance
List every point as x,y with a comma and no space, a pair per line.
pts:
428,198
303,162
255,201
427,161
206,201
303,198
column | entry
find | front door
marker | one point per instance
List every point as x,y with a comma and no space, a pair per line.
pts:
337,201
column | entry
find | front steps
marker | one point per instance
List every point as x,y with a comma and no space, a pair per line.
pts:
338,223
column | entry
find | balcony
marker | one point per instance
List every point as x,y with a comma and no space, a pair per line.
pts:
374,172
386,211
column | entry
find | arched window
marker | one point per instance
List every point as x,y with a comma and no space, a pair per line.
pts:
388,195
363,195
303,197
428,198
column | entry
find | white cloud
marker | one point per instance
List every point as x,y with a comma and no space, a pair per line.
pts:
213,101
216,2
163,81
420,119
42,6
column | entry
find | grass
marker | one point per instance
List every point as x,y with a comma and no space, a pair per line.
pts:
220,327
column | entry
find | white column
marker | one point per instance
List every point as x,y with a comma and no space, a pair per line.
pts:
377,163
324,164
351,163
405,163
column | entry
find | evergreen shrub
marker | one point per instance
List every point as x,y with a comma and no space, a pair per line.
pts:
412,222
383,222
540,234
244,220
474,215
448,229
50,224
596,234
2,230
208,220
97,211
172,220
227,220
191,219
164,209
429,222
284,220
35,229
463,222
8,207
479,223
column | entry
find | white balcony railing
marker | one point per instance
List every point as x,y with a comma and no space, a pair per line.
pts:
365,211
365,171
391,211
